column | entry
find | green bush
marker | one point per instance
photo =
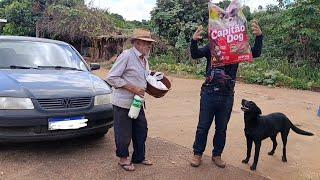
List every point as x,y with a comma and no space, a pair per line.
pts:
276,72
169,64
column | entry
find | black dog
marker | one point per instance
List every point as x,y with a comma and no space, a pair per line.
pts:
258,128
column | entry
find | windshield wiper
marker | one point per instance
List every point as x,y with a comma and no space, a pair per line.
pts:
19,67
60,67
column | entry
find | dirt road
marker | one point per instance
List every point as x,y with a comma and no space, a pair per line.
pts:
90,158
175,118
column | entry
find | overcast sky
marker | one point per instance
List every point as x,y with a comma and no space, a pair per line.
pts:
140,9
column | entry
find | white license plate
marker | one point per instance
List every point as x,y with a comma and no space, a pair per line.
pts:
67,123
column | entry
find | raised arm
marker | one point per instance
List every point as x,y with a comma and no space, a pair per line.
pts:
258,43
197,52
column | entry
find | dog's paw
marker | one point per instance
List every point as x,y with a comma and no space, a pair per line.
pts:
253,168
284,159
245,161
271,153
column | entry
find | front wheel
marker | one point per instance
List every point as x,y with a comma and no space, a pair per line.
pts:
101,134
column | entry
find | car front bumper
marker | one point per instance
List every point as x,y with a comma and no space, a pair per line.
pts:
32,125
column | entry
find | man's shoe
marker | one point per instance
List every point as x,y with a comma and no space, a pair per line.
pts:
218,161
196,161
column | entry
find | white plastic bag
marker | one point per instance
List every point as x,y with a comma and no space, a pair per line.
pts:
155,81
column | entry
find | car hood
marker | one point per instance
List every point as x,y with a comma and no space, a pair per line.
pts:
50,84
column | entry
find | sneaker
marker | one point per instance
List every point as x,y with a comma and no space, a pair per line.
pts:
196,161
218,161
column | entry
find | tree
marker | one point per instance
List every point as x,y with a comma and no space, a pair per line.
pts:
224,4
67,3
178,19
23,15
246,11
303,24
4,3
72,24
272,8
284,3
292,33
20,18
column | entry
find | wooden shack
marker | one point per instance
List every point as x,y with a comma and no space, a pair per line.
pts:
104,47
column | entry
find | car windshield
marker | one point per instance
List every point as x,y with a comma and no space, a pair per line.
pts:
29,54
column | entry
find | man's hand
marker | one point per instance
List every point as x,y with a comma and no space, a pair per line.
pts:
135,90
197,35
138,91
256,30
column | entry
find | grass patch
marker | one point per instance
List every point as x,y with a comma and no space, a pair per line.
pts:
168,64
280,73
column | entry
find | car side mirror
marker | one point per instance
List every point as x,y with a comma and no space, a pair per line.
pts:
94,66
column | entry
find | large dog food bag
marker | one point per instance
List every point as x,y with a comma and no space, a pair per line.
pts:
228,36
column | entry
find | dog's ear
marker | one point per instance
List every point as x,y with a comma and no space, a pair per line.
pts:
259,110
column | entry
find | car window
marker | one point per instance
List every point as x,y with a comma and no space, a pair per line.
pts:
34,54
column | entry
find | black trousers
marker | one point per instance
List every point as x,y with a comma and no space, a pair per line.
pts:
217,107
127,129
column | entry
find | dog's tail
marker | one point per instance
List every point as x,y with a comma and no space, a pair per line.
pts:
300,131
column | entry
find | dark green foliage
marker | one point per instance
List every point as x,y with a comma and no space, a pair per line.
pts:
20,17
292,33
176,20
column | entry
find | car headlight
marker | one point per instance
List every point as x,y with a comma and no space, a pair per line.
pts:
9,103
102,99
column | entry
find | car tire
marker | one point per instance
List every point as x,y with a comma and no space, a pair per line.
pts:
100,134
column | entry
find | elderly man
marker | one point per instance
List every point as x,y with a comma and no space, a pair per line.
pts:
128,78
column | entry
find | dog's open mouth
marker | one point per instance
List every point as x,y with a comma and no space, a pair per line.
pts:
244,108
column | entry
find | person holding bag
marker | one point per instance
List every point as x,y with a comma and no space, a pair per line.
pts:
128,79
217,94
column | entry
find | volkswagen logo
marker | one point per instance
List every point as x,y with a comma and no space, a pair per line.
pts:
66,102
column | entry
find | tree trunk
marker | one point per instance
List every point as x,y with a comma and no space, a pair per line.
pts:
37,29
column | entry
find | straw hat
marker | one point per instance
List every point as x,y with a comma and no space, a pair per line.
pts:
142,34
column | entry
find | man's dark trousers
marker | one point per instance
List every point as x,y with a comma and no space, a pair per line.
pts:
213,105
127,129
